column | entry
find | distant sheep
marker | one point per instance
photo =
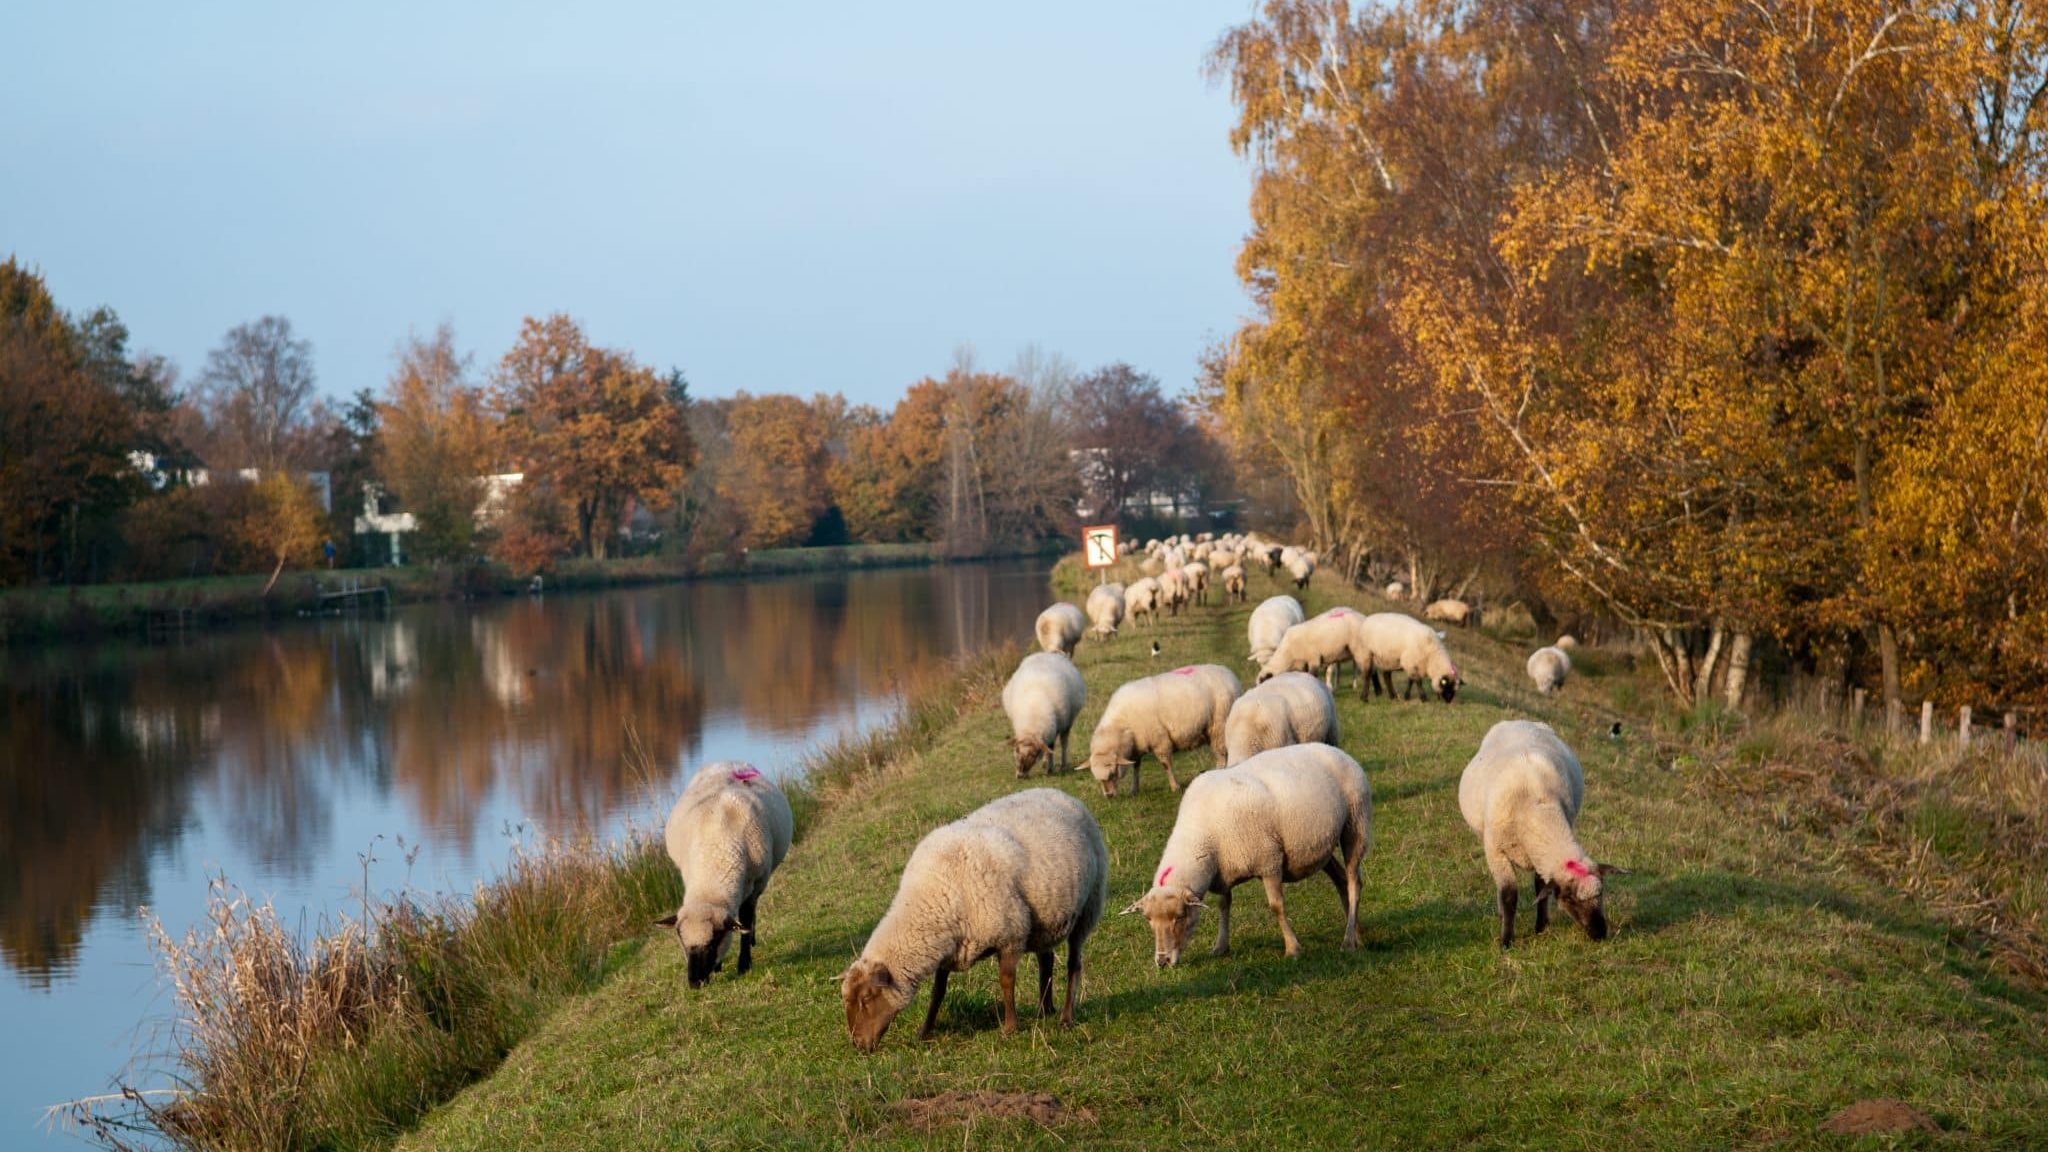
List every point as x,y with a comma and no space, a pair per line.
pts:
1059,628
1301,568
1173,590
1548,669
1280,816
1105,610
1171,712
1292,708
1452,612
1020,874
727,834
1142,599
1521,795
1566,642
1397,591
1042,699
1395,641
1197,576
1269,622
1320,644
1233,584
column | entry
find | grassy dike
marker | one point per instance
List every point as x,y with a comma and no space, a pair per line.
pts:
1754,985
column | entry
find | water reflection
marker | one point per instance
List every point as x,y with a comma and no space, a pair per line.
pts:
260,750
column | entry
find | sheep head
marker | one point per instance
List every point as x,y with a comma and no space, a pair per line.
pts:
1172,911
1580,893
873,997
1029,749
704,930
1109,753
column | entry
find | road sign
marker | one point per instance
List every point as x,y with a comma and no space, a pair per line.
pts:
1098,545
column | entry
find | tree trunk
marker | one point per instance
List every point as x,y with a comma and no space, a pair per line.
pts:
1703,675
274,574
1888,659
1738,669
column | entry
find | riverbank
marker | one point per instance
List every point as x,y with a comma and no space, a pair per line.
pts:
93,611
1762,976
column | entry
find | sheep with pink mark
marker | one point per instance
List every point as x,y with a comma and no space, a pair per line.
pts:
1278,817
1291,708
1521,795
726,834
1172,712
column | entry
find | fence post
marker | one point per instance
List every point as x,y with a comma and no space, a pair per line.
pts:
2011,731
1926,721
1857,720
1826,692
1963,727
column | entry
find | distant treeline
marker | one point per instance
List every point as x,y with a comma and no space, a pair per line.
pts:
111,470
1724,320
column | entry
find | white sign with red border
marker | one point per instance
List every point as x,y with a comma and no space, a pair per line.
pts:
1098,545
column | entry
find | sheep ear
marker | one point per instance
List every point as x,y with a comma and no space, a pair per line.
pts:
668,921
1611,870
1195,902
732,924
1133,910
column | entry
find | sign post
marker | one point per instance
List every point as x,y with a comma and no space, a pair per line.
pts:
1098,548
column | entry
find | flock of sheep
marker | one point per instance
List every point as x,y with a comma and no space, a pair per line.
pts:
1029,872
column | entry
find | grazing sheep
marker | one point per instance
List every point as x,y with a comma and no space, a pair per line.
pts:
726,834
1566,642
1142,599
1452,612
1300,569
1152,566
1197,576
1059,628
1548,668
1280,816
1233,584
1396,641
1291,708
1270,621
1397,591
1042,699
1105,610
1319,644
1521,795
1019,874
1173,589
1171,712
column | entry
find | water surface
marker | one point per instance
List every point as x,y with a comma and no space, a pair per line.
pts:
418,745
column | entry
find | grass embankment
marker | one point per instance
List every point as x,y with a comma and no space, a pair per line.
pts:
30,615
1757,981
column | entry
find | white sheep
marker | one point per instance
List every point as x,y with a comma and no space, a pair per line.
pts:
1197,575
1173,589
727,833
1142,599
1019,874
1521,795
1105,610
1451,612
1233,584
1171,712
1042,698
1292,708
1152,566
1548,668
1566,642
1394,641
1059,628
1320,644
1301,568
1280,816
1269,622
1397,591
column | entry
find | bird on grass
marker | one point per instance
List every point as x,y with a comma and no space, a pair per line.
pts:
1155,649
1614,733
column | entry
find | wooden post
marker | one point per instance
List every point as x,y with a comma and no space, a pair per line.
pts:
1926,721
1963,727
1827,690
2012,731
1894,717
1856,721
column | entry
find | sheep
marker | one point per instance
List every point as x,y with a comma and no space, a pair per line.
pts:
1221,558
1019,874
1171,712
1152,566
1393,640
1566,642
1301,568
1452,612
1270,621
1281,816
1397,591
1197,576
1291,708
1042,698
727,833
1521,796
1233,584
1142,599
1059,628
1105,610
1318,645
1173,589
1548,668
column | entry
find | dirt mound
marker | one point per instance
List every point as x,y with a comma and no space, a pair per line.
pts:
1038,1107
1865,1117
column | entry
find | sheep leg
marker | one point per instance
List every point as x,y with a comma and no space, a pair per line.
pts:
1006,967
1222,947
1349,898
1073,978
1045,982
1276,899
747,934
1542,893
1166,758
931,1014
1508,894
1063,750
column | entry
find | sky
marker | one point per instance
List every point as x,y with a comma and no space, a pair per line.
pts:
788,197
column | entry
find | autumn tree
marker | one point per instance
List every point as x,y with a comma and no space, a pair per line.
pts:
258,394
280,521
435,443
775,474
590,426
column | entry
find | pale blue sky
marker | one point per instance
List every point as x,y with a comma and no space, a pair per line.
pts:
777,197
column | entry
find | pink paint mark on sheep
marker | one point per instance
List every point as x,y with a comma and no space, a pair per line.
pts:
1338,612
1163,874
747,775
1187,671
1577,869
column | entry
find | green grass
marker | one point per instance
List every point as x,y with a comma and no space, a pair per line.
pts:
1755,982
